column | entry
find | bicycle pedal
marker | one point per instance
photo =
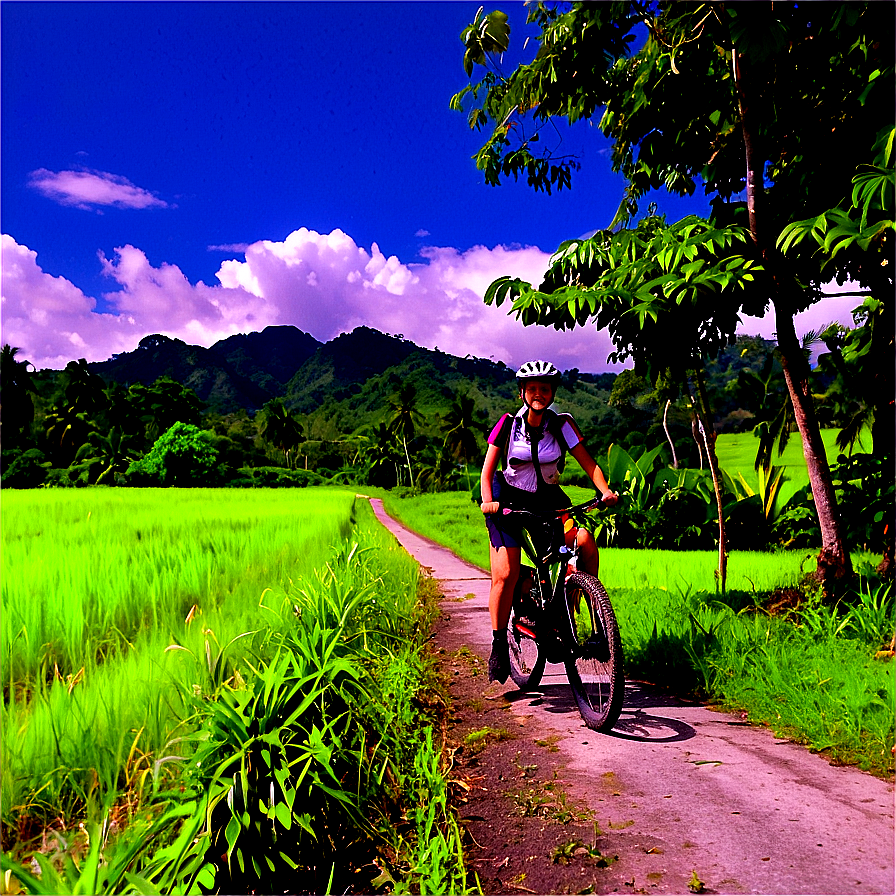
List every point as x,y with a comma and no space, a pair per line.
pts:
524,628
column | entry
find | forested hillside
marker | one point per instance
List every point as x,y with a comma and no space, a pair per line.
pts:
367,408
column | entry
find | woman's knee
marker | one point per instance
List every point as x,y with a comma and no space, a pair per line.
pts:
505,567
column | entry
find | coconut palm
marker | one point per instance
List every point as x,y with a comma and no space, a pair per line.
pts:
382,456
281,428
16,389
462,424
113,453
404,419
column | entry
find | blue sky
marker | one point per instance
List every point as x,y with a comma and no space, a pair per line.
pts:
199,169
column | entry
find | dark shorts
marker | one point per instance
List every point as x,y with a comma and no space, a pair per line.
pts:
504,531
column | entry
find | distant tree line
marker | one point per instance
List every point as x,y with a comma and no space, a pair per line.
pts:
69,428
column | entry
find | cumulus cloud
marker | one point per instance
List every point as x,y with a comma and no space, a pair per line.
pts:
324,284
834,308
51,320
90,190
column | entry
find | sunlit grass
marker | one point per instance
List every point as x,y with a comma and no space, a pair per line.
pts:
155,613
87,572
737,455
98,583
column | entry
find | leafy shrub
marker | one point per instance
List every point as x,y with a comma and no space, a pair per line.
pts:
24,469
274,477
865,493
865,496
182,456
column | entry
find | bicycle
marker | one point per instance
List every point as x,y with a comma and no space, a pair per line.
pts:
565,617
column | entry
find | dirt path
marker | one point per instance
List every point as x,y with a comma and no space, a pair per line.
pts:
676,789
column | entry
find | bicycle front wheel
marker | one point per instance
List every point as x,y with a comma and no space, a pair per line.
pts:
526,660
594,668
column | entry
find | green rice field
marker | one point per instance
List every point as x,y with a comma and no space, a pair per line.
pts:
274,636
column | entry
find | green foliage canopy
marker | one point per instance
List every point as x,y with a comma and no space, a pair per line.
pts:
182,456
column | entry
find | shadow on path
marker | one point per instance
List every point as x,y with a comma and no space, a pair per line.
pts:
634,722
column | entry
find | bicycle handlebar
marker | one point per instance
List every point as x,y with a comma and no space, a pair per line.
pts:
591,504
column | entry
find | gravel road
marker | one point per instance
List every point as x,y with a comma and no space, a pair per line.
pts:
706,790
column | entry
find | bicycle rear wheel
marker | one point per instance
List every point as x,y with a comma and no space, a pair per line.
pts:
595,666
526,660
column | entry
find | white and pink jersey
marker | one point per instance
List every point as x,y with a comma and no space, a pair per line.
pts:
520,470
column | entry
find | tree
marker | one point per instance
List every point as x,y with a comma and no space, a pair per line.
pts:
382,456
855,240
404,419
165,403
461,424
280,428
73,416
182,456
16,394
111,452
775,100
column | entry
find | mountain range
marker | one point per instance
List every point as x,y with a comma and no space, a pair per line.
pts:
340,384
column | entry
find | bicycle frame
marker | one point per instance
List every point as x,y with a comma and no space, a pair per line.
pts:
552,567
565,615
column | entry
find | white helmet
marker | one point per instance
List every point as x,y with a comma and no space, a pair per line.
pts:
538,370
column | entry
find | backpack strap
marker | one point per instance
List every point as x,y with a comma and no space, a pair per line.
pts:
555,423
555,427
503,440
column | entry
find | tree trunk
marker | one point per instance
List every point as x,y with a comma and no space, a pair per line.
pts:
668,437
407,455
833,561
701,407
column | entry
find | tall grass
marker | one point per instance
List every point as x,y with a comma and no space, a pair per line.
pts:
89,572
97,585
257,650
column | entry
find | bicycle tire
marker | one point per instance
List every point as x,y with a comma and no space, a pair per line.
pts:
595,669
526,659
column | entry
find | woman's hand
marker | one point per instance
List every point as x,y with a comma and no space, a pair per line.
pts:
489,507
609,498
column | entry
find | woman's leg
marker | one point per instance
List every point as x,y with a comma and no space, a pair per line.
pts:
589,559
505,565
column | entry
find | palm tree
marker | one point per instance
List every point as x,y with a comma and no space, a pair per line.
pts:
382,456
404,419
461,424
67,429
113,452
280,428
16,389
84,390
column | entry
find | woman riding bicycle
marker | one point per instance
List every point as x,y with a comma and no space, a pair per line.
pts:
532,444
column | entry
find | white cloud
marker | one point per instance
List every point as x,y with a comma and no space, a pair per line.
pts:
50,319
324,284
831,309
88,189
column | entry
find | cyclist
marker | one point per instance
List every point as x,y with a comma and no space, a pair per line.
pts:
532,444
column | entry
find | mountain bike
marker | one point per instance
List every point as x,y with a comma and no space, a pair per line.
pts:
561,615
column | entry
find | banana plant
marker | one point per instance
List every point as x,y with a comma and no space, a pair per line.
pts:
768,490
